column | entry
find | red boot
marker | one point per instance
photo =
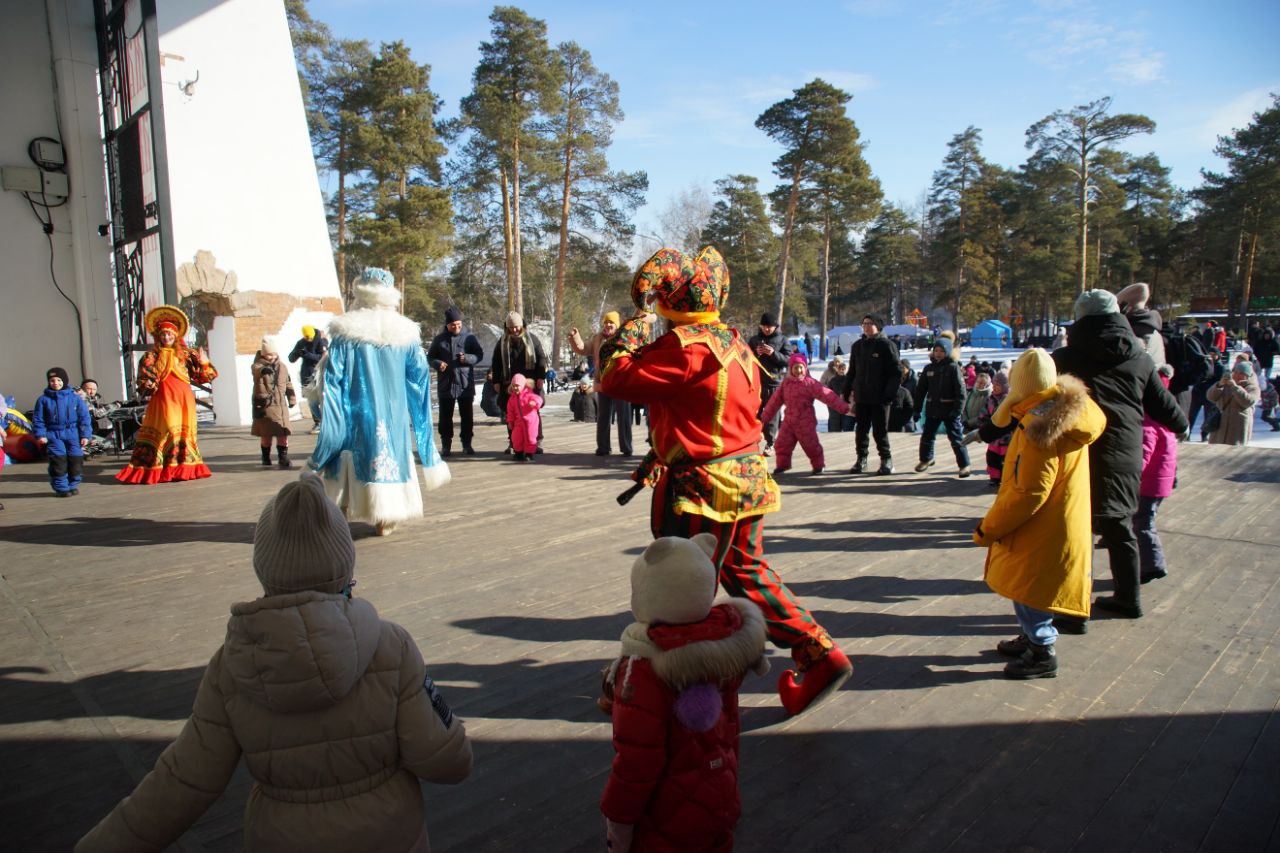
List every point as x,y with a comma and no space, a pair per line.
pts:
818,681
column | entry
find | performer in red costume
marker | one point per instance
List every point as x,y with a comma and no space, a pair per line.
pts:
702,386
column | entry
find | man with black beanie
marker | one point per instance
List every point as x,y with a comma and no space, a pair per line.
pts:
773,351
453,355
871,386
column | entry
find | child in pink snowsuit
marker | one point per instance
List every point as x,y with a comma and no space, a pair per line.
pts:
522,416
797,393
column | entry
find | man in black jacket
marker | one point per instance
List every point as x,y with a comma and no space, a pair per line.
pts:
871,386
940,394
773,352
453,355
311,347
1102,351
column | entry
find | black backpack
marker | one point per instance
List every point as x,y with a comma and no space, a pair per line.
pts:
1189,360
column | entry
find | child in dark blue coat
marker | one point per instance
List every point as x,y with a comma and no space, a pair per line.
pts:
63,426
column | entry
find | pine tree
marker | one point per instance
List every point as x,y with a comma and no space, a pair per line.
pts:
1079,140
739,228
591,196
515,81
404,218
817,136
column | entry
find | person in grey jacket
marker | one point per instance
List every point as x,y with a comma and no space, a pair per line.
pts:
453,355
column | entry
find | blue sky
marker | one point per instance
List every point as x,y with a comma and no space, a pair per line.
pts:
694,76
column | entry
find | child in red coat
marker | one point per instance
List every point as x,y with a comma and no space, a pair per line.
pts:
674,700
800,424
523,404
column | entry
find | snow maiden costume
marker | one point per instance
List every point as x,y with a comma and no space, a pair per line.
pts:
375,388
165,446
702,386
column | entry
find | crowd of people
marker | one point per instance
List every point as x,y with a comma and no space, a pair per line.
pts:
1080,443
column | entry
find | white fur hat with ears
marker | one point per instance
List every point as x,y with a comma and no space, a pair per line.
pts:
674,580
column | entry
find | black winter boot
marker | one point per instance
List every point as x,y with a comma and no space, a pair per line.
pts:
1123,609
283,454
1036,662
1014,648
266,456
860,466
446,448
886,466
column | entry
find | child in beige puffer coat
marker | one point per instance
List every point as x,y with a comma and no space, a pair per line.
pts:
330,706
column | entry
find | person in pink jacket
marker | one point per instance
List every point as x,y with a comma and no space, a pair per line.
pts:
797,393
523,404
1159,473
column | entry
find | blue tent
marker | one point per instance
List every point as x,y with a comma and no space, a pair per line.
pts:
991,334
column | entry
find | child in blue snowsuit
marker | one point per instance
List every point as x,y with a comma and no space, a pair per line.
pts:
63,426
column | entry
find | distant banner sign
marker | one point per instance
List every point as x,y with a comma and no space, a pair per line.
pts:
1264,303
1204,304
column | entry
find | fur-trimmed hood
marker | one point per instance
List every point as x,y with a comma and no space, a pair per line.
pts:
1062,417
382,327
706,660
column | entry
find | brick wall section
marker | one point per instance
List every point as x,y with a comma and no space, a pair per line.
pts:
273,310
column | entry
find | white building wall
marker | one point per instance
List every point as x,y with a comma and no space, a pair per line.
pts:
37,326
241,171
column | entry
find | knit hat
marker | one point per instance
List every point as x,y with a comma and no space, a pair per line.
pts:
517,379
674,580
875,319
269,345
302,541
1096,302
452,314
768,319
1242,367
308,332
1134,297
1033,372
797,358
683,288
1001,381
611,317
60,373
514,320
946,345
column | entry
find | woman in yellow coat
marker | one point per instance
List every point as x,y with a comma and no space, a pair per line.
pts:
1038,530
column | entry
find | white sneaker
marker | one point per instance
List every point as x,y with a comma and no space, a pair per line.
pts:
768,451
315,429
964,472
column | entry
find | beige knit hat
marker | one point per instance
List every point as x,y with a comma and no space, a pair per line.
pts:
674,580
1033,372
302,541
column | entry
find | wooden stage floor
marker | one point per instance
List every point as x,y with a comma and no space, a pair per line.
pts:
1158,734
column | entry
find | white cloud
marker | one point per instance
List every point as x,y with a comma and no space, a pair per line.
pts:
852,82
1236,113
1138,68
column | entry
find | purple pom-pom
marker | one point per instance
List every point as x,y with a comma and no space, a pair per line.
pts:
699,707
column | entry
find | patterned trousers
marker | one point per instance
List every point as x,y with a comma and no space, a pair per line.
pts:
743,573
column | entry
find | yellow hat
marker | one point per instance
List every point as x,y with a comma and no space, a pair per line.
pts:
1033,372
308,332
611,317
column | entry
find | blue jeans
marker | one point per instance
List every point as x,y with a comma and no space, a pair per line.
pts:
1150,551
1036,624
955,435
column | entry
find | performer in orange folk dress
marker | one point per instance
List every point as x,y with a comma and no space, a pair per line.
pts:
165,445
702,385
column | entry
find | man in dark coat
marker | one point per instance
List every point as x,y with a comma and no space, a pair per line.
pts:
518,351
1102,351
871,386
311,347
453,355
940,395
773,351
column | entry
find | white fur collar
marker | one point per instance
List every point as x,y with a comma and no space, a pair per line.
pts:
704,660
377,326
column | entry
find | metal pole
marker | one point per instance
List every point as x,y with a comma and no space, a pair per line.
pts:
159,151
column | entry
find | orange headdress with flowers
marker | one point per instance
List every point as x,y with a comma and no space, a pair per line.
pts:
682,288
166,317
